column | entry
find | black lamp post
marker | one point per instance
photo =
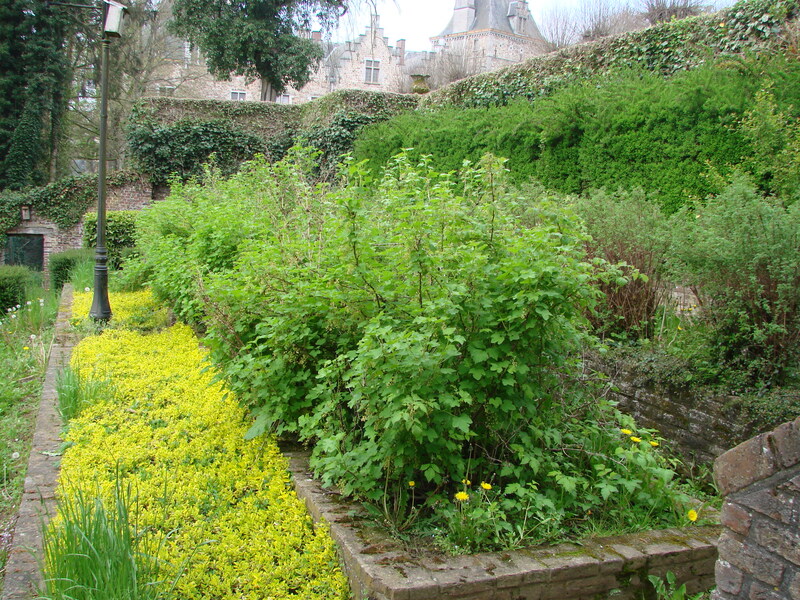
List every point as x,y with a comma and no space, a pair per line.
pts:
112,24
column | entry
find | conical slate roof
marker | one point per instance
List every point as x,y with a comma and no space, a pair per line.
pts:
495,15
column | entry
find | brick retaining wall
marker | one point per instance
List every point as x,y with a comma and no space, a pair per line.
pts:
379,568
759,550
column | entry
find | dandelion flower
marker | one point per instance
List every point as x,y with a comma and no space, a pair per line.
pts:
680,328
462,496
33,336
654,444
635,439
692,515
25,348
411,484
626,431
87,289
466,482
486,486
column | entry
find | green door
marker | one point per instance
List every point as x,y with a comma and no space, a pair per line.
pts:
25,250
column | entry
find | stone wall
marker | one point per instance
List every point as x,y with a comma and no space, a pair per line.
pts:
759,550
700,426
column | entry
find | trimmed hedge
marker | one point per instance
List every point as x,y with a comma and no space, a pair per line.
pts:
13,281
120,234
62,263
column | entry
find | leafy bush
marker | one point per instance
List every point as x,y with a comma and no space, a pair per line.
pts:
181,149
13,282
630,129
62,263
412,333
742,253
120,233
630,231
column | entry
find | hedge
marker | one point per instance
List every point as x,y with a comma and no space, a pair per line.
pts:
13,281
120,233
62,263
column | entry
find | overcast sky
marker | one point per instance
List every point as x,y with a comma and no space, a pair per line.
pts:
417,21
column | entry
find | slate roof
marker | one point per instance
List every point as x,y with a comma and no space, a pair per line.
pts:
494,14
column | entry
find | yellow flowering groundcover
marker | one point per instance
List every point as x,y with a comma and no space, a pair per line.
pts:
129,309
225,505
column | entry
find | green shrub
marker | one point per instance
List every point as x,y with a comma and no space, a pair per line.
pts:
412,331
120,233
742,253
13,283
62,264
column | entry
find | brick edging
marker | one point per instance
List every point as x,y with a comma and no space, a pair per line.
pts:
22,576
379,568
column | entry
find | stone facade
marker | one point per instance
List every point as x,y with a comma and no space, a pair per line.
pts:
483,35
759,550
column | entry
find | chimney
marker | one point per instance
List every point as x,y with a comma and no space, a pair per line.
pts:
316,36
401,51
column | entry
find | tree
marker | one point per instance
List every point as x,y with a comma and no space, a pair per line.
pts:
256,38
33,86
659,11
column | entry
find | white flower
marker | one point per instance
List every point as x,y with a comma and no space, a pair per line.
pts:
13,316
29,303
86,289
33,336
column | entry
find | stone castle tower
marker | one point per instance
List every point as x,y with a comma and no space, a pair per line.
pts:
491,33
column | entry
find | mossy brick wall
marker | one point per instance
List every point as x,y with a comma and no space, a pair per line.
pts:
700,426
132,195
759,550
380,568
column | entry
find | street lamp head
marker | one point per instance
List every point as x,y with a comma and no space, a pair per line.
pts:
113,21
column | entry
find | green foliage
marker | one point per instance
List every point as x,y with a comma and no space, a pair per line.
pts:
749,25
62,264
412,330
120,233
256,38
668,589
631,130
13,283
181,149
75,395
335,139
742,253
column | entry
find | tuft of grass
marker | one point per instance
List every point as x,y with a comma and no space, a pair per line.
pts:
74,394
82,274
95,552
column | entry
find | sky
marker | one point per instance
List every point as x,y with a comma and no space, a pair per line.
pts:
417,21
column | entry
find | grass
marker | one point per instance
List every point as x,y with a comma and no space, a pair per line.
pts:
25,339
75,395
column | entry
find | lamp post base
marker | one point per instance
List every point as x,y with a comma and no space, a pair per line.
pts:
101,307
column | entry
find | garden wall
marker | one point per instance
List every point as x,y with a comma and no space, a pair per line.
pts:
700,426
380,568
131,195
759,550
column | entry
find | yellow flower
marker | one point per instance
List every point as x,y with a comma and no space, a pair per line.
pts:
692,515
486,486
462,496
466,482
654,444
626,431
635,439
25,348
680,328
411,484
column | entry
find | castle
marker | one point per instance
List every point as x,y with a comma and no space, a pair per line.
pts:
482,35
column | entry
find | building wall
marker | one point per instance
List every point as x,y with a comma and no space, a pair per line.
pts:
132,196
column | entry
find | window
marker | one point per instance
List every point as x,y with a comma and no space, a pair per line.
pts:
26,250
239,96
284,99
166,90
372,71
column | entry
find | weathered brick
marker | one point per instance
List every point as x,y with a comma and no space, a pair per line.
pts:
729,578
745,464
772,503
794,587
751,559
784,541
759,591
786,441
735,518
